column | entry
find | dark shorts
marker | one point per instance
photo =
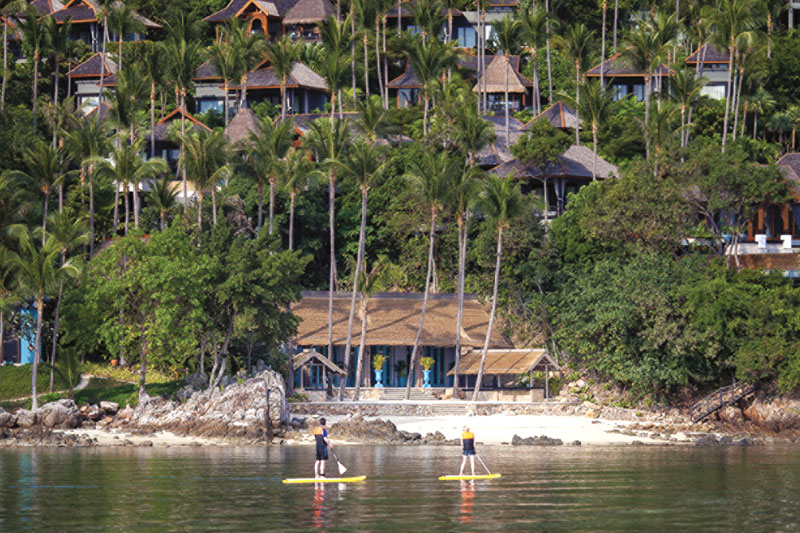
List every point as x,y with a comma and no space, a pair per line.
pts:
322,453
469,452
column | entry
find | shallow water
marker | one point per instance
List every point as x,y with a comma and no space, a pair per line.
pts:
553,489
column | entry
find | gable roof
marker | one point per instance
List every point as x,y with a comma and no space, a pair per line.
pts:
206,71
162,126
300,77
309,12
505,361
560,115
393,319
275,8
243,123
45,7
617,66
790,166
91,68
712,55
86,11
496,74
575,162
407,80
314,356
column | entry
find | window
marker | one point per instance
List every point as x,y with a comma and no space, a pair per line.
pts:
467,37
717,92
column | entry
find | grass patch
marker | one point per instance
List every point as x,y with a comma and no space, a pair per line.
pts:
128,375
120,392
15,381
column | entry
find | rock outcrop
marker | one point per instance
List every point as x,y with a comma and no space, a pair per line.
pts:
541,440
61,414
778,414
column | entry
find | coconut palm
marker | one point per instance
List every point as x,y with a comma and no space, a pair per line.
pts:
206,161
685,90
43,169
57,44
38,274
472,134
366,15
14,205
154,67
730,20
226,64
533,30
429,58
337,38
7,8
299,175
761,102
371,120
334,70
432,176
102,18
267,147
596,108
428,17
364,165
500,201
123,21
329,144
780,123
163,197
506,37
8,297
794,114
125,167
68,234
282,56
577,42
33,40
249,48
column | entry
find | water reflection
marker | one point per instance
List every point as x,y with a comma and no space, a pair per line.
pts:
318,509
467,497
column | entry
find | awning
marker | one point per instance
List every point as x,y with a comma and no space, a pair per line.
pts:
505,362
307,356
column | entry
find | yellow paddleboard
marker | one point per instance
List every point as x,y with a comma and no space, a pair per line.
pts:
465,478
325,479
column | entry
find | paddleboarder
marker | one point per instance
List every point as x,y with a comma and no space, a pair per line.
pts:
321,436
468,450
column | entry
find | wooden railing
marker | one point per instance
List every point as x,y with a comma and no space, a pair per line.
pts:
718,399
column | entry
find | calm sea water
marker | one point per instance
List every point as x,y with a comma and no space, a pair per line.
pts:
552,489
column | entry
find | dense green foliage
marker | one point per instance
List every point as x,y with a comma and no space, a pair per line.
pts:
15,382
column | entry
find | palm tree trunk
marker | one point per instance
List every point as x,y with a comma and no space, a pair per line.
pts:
738,99
577,101
291,220
603,47
38,353
331,272
364,362
616,18
283,97
744,118
199,210
271,204
183,135
55,103
463,232
35,83
755,124
412,367
351,317
594,147
366,66
91,211
647,83
163,220
214,204
153,118
491,314
44,215
227,103
425,116
728,96
260,189
683,126
483,58
549,66
378,54
385,69
127,207
353,49
5,67
537,93
55,331
506,102
102,60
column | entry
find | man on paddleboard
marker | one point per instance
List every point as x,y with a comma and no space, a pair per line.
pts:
468,447
321,436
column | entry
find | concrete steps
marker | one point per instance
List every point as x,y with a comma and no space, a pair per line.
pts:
396,395
449,409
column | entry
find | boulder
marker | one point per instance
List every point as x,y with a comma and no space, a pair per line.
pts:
541,440
27,419
92,412
7,420
778,414
706,440
197,381
731,415
357,429
61,414
110,408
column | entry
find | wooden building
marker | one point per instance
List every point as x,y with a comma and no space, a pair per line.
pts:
85,15
623,79
296,18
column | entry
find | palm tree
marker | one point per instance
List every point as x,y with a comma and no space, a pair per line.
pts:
533,29
282,56
432,176
206,161
616,23
596,107
336,39
794,114
227,66
163,197
43,169
685,90
123,21
249,48
155,67
428,18
429,58
267,147
68,234
500,202
7,8
729,21
780,123
57,39
38,275
33,39
761,102
576,42
506,35
371,120
363,165
125,167
8,298
367,14
329,143
102,18
14,205
298,176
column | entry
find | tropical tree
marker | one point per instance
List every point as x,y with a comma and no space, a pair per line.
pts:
432,177
596,107
8,297
38,274
472,134
334,69
780,123
267,147
372,119
123,21
226,64
329,144
282,55
33,40
685,90
299,175
248,46
7,8
57,45
163,197
154,67
68,234
102,18
761,102
500,201
533,29
334,64
577,42
427,16
506,35
794,114
206,161
364,165
429,58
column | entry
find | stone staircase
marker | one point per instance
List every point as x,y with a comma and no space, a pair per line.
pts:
399,394
447,408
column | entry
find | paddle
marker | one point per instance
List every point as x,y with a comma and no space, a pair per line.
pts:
342,469
484,464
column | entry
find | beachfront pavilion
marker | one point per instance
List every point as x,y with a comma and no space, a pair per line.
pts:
392,322
505,367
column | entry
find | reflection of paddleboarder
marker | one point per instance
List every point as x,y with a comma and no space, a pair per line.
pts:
318,514
321,436
467,497
468,447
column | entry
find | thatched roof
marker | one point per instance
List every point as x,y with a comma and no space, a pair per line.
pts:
505,362
576,162
300,77
617,66
87,11
45,7
713,55
313,356
273,8
206,71
469,63
162,126
241,126
497,72
790,166
309,12
560,115
91,67
393,319
407,80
